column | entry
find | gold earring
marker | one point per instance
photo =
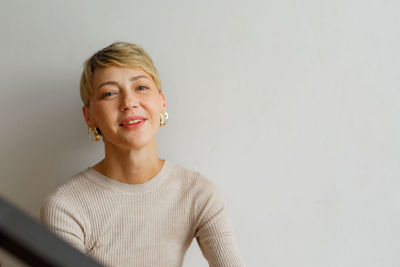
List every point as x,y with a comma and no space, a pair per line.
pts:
163,119
95,137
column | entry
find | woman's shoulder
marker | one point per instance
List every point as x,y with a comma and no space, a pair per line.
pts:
200,189
74,185
64,199
192,179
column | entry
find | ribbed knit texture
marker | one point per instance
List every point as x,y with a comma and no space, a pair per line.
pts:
150,224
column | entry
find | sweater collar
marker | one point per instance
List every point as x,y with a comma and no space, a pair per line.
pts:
109,183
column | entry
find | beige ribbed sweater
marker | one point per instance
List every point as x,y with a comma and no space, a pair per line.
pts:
150,224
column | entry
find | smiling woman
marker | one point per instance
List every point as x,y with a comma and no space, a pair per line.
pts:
125,105
133,208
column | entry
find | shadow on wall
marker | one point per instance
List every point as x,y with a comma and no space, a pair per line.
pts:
42,136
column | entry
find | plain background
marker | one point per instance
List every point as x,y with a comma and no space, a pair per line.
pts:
290,107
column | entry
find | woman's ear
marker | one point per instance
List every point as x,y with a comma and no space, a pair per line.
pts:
164,104
86,115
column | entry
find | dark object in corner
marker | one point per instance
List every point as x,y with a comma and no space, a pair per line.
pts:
33,243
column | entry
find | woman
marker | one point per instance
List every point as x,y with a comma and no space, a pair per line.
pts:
133,208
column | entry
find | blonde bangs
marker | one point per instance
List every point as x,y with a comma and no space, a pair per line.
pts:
119,54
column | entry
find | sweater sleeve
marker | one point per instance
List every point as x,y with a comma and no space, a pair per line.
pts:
214,232
62,219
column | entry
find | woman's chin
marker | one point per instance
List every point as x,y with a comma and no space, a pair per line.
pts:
127,144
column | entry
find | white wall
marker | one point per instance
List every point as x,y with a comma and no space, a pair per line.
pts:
290,107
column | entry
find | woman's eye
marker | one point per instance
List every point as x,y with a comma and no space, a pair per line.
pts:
108,94
141,88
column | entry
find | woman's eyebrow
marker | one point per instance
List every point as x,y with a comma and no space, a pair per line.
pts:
134,78
107,83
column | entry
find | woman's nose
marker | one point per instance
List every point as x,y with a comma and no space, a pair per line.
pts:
129,100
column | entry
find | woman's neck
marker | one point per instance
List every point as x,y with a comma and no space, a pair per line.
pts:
130,166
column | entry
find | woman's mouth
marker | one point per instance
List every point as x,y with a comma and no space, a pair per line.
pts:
132,124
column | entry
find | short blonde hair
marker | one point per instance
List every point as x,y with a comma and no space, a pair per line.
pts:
121,54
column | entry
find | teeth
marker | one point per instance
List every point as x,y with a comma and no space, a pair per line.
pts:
132,122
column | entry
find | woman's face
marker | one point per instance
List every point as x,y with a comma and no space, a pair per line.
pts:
126,105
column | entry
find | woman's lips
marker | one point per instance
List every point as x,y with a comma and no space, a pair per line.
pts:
133,118
133,125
